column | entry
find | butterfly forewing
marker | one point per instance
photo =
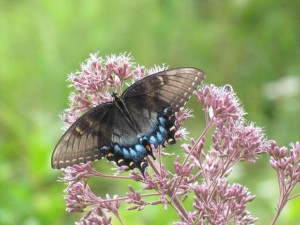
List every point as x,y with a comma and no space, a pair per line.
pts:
167,88
82,141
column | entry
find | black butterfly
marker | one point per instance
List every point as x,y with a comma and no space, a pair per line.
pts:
124,130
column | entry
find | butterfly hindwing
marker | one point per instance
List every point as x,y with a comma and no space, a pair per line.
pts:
151,104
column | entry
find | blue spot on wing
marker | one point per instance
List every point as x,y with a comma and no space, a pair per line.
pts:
118,150
162,121
140,149
168,111
160,138
126,153
163,130
153,141
133,154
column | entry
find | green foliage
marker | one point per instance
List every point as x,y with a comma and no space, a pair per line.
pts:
241,42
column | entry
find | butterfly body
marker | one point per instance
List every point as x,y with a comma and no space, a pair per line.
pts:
120,104
124,130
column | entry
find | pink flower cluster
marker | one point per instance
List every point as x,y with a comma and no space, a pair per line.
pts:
200,171
286,162
96,81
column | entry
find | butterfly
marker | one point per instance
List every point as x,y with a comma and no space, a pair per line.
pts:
124,130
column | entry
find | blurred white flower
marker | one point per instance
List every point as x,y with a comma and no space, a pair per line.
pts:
285,87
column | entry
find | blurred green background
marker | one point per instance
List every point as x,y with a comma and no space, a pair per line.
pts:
252,45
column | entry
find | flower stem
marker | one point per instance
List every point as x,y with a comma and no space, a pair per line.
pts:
280,208
190,153
179,207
